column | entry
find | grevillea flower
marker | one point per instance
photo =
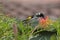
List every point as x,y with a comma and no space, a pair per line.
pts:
44,22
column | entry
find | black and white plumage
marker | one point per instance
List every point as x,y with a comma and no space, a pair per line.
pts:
40,15
34,18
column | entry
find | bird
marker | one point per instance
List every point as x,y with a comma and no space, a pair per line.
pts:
33,19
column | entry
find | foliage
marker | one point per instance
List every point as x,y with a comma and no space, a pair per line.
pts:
6,32
52,32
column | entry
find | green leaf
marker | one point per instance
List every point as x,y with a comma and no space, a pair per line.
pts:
53,37
44,35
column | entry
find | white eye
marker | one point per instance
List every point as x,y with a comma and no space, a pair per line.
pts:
38,13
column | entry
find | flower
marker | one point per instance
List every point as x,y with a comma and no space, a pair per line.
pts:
44,22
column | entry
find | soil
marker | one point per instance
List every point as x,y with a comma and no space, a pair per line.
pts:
23,8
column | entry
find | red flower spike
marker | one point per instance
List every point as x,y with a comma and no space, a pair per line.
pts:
44,21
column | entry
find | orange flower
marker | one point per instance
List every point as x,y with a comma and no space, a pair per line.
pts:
44,22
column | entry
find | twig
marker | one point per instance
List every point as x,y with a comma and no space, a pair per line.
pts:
15,30
35,29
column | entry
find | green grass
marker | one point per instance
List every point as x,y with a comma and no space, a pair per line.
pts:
24,31
7,32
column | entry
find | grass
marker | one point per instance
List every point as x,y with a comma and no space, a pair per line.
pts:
7,32
24,31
